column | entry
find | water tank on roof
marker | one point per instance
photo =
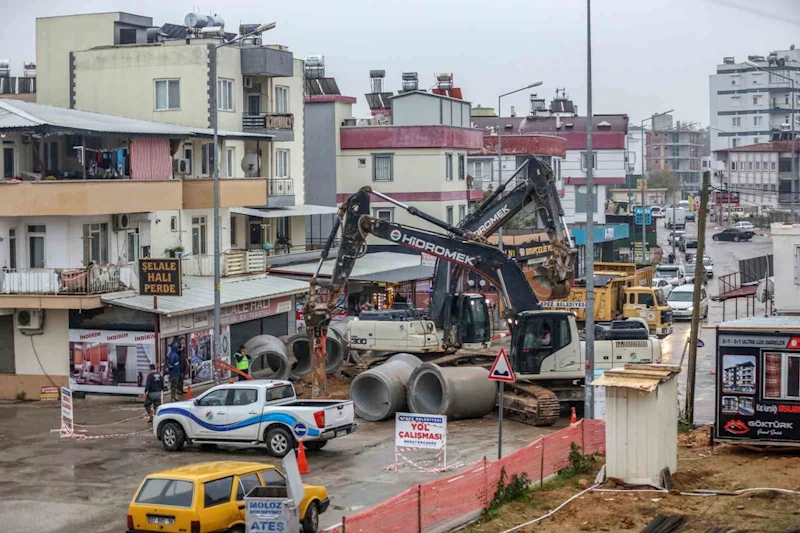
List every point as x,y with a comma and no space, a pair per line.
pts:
5,68
315,61
216,20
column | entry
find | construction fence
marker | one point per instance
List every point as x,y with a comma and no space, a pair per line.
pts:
443,504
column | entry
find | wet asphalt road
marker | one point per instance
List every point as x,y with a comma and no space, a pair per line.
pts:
726,256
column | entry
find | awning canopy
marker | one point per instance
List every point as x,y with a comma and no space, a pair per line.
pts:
278,212
198,294
382,266
398,275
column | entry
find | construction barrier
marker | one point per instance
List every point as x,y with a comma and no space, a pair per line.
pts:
446,503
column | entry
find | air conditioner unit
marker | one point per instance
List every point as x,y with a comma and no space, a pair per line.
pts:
121,222
30,319
248,82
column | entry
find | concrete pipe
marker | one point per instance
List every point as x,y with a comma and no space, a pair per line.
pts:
269,357
455,391
380,392
299,351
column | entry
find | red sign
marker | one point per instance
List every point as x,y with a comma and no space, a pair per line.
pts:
49,394
258,309
501,369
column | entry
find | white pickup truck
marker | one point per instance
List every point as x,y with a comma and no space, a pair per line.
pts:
253,412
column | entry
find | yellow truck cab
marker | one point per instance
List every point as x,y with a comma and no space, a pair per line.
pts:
620,289
209,497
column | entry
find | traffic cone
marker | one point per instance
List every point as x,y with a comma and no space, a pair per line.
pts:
189,391
302,463
573,419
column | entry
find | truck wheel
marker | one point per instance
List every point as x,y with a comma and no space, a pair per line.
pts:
173,437
279,441
311,520
315,445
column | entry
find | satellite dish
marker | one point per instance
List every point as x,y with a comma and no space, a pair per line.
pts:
765,290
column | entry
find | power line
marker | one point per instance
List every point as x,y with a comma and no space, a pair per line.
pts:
756,12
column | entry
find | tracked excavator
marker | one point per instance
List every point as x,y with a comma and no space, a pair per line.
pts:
546,352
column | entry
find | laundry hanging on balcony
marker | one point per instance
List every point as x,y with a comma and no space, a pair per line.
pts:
151,159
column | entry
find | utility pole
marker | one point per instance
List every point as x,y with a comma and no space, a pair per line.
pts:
699,275
588,392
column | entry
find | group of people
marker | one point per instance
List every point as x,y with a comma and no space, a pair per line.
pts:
177,368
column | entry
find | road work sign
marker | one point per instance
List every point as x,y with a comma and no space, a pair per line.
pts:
67,424
501,369
420,431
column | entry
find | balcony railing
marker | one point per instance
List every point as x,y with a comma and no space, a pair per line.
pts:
239,262
270,121
96,279
280,187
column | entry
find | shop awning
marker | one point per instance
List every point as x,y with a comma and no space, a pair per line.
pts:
198,294
398,275
379,264
278,212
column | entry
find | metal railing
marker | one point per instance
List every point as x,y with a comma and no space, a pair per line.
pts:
273,121
96,279
239,262
280,187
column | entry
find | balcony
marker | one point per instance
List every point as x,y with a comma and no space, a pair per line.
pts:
233,192
280,192
281,125
242,262
267,61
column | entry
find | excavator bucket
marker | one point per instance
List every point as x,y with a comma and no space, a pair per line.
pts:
544,285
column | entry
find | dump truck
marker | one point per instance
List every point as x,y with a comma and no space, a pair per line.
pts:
620,289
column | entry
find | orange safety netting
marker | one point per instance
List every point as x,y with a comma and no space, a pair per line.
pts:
455,499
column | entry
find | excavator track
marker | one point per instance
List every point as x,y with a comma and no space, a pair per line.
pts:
530,404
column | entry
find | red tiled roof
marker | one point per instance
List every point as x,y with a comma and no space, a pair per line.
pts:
774,146
522,125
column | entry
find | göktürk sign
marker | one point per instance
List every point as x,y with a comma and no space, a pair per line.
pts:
420,431
160,277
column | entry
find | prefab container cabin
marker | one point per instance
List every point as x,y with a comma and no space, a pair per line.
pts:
758,381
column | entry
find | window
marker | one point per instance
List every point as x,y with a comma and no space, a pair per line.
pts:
272,478
736,101
448,167
36,246
224,95
756,140
773,166
782,375
187,156
253,103
207,164
386,214
246,484
9,158
198,235
244,396
581,196
449,217
733,165
233,230
168,94
12,249
749,165
362,162
736,79
230,157
382,167
282,230
646,300
280,393
173,223
215,398
132,241
757,99
462,164
736,122
281,163
480,169
735,143
757,120
217,492
584,158
758,165
168,492
541,334
462,212
281,99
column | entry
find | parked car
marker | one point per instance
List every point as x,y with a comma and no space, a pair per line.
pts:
664,285
744,225
208,497
680,300
733,234
656,211
708,265
691,216
687,244
675,274
679,236
256,412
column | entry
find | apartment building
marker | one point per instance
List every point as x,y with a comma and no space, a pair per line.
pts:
760,174
752,101
678,148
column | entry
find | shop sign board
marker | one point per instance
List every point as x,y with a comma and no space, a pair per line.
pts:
233,314
420,431
67,422
49,393
160,277
758,389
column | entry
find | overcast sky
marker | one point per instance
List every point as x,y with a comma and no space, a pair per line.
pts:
649,55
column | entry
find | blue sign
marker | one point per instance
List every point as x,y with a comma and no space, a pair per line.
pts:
270,526
300,429
637,216
605,233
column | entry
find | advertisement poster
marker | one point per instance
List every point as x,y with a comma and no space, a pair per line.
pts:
758,388
115,362
420,431
195,349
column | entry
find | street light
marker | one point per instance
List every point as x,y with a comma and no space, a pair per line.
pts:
644,188
792,134
500,144
217,230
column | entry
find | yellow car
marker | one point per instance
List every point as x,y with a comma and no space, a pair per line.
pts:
209,497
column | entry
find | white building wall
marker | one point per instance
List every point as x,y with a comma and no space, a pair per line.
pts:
295,147
48,351
786,249
755,176
633,145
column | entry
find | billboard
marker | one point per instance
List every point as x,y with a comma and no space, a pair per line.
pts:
109,361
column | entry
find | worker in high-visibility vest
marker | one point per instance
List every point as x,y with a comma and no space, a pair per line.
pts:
242,362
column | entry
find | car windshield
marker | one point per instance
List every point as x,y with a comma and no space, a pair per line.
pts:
680,296
171,492
667,272
689,269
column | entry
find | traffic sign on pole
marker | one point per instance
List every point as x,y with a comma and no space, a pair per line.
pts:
501,369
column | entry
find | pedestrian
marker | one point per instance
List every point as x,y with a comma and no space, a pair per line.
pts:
184,362
174,366
242,362
153,387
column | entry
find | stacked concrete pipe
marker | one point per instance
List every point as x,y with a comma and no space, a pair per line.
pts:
299,351
269,357
455,391
380,392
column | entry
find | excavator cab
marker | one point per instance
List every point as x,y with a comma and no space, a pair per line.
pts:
471,320
544,342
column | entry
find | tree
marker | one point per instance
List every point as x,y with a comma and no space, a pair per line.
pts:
663,179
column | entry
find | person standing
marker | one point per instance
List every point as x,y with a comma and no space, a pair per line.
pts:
242,362
153,387
174,367
184,361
